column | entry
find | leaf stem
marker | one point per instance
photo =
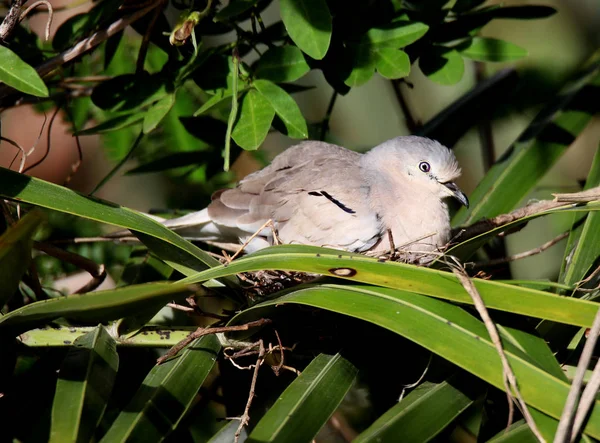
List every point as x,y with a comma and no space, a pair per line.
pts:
234,109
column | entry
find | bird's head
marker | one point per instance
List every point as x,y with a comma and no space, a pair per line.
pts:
425,164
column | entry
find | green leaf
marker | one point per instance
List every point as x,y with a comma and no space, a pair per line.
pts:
442,65
15,253
395,35
157,112
95,307
583,245
418,279
233,9
392,63
363,65
309,24
492,50
285,107
254,121
306,405
442,328
84,385
38,192
282,64
129,91
545,140
113,124
17,74
165,395
423,414
220,96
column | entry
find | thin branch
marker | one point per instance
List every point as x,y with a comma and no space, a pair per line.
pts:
521,255
587,401
327,118
509,378
564,432
41,160
412,125
200,332
234,108
50,14
118,166
75,166
21,150
245,418
139,68
11,19
97,271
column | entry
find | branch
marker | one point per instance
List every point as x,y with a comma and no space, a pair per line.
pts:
11,20
509,378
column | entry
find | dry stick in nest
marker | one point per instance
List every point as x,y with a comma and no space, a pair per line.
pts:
245,418
510,381
565,431
200,332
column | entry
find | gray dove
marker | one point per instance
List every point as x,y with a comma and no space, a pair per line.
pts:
321,194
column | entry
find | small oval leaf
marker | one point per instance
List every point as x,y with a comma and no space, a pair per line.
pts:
254,121
309,24
392,63
19,75
285,106
282,64
492,50
442,65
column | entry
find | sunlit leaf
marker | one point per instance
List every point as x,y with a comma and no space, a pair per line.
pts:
309,25
492,50
17,74
285,107
255,117
282,64
392,63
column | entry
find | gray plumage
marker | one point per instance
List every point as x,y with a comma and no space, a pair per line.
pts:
321,194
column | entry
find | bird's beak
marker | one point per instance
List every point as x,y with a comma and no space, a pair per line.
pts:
457,193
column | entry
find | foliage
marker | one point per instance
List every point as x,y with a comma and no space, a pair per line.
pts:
181,105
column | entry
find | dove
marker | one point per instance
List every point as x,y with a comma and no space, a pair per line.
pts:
321,194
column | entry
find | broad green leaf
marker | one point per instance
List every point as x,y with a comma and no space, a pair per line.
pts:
396,35
363,61
157,112
309,24
442,65
220,96
306,405
62,336
233,9
392,63
285,106
550,134
492,50
418,279
583,245
442,328
38,192
165,395
85,382
282,64
15,253
423,414
95,307
255,117
113,124
227,433
17,74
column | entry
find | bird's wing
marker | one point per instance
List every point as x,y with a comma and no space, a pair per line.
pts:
314,193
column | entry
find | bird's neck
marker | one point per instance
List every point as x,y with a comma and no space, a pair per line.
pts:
418,221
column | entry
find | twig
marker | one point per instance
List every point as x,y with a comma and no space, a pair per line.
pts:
50,14
118,166
565,431
560,200
11,19
139,67
200,332
519,256
74,166
234,108
587,401
97,271
327,118
509,378
245,418
269,222
21,150
412,125
41,160
415,384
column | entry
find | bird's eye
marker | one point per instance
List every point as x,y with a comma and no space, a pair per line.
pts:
424,166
